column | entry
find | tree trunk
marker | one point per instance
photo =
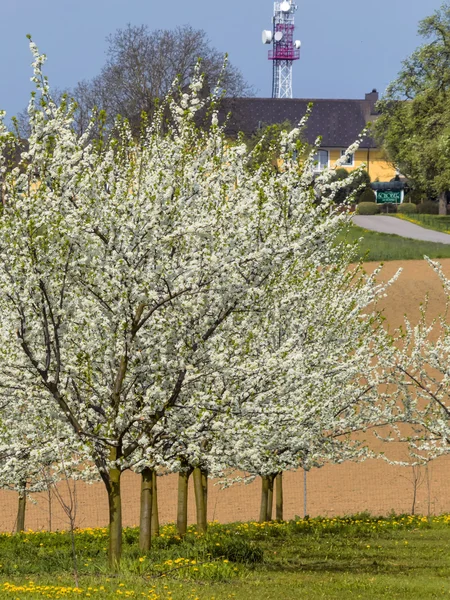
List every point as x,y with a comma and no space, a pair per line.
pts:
264,499
20,524
270,479
205,492
115,519
443,203
279,496
145,524
200,500
183,481
50,508
155,513
305,493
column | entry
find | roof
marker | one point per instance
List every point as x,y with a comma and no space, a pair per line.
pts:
389,185
339,122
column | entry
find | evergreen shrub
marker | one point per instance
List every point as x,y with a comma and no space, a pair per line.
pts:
368,195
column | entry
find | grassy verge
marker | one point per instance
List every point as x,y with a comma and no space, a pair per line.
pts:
383,247
434,222
360,557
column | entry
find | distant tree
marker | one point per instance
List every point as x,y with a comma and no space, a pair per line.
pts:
414,124
140,68
142,65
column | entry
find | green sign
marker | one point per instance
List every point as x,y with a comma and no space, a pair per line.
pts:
385,196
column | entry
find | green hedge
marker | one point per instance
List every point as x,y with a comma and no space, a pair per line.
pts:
428,208
368,208
407,209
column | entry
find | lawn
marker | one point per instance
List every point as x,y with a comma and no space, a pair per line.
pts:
383,247
435,222
360,557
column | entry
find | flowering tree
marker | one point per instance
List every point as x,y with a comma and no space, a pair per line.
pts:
310,378
422,383
321,384
138,279
37,448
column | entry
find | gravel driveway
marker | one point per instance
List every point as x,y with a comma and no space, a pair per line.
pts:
386,224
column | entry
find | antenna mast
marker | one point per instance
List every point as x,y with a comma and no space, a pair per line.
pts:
285,49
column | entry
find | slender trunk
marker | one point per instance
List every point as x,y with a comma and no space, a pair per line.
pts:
415,482
279,496
428,476
155,513
74,553
264,499
443,203
183,481
49,492
115,519
205,492
305,493
270,480
200,500
20,525
145,525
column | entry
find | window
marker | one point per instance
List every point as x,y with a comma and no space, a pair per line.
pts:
350,161
321,158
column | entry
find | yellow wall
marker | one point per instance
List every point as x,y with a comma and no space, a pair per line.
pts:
377,166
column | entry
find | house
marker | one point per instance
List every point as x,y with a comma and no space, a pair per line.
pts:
338,122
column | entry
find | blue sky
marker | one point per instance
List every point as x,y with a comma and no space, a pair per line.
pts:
348,47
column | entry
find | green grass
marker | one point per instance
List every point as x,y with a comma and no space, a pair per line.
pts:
383,247
434,222
360,557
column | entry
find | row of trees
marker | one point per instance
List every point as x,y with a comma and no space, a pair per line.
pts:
166,305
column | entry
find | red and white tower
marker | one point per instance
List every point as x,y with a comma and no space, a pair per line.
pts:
285,49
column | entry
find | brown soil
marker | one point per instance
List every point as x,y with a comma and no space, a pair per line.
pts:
374,486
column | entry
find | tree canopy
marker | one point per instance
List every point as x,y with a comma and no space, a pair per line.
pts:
413,126
140,69
142,65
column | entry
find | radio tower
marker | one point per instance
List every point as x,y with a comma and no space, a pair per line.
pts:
285,49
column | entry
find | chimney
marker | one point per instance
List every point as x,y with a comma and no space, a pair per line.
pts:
372,99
